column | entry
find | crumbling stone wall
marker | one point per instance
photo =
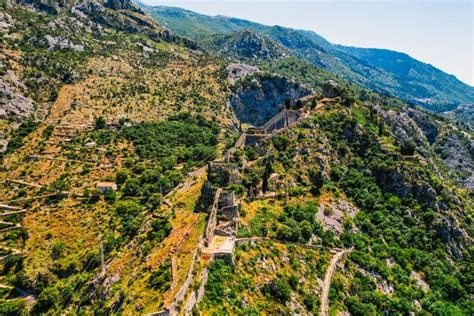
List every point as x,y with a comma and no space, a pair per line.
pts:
283,119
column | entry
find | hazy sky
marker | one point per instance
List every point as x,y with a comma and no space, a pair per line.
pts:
438,32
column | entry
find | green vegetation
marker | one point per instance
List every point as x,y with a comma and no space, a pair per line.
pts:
161,229
16,140
14,308
279,289
267,278
130,214
184,138
219,272
385,71
389,198
393,224
396,222
161,279
298,223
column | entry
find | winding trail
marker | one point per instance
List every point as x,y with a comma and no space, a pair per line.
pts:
327,281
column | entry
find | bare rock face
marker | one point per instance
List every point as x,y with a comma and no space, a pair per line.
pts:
331,89
235,72
257,99
403,126
55,42
12,99
332,214
249,45
457,151
6,21
3,142
123,5
454,147
427,126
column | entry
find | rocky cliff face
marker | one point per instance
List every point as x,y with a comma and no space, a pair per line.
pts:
454,147
256,98
13,101
247,45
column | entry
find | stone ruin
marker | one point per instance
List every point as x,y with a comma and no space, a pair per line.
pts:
227,215
223,173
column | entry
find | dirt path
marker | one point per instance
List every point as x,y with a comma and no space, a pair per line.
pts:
327,282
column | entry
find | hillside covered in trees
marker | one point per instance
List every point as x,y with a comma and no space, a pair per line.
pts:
144,173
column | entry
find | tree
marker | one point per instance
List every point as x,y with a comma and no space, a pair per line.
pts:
279,289
48,298
12,307
57,250
309,301
132,187
306,230
161,279
380,127
161,229
284,232
266,174
128,208
121,176
100,122
92,196
155,200
317,180
299,104
110,196
408,147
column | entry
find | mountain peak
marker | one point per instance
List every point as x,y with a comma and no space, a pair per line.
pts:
248,44
388,72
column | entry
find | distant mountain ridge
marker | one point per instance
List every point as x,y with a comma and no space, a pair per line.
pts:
382,70
247,45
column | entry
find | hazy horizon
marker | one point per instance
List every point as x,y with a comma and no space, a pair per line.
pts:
426,30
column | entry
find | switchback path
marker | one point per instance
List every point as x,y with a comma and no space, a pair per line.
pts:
327,281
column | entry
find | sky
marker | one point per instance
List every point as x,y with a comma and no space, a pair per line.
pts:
438,32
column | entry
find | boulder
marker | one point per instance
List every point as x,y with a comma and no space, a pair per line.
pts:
331,89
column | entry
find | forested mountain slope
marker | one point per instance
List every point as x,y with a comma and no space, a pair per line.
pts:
137,178
385,71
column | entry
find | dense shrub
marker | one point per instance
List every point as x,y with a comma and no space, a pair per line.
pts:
130,214
298,223
215,290
57,250
161,228
161,279
279,289
47,299
407,147
12,307
99,122
16,140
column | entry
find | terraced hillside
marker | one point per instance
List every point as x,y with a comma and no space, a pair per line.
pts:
108,104
143,175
